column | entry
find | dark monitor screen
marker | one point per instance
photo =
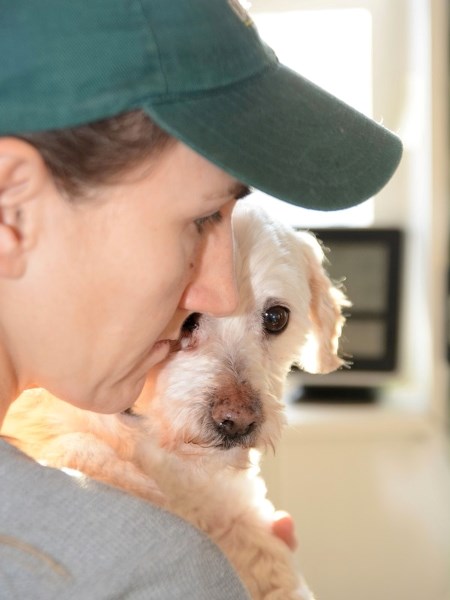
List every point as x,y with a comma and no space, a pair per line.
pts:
368,263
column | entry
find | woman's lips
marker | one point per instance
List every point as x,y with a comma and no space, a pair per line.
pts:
160,349
186,341
175,345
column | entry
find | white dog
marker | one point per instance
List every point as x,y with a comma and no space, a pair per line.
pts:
190,443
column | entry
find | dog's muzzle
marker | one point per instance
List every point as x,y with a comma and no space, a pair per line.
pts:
236,415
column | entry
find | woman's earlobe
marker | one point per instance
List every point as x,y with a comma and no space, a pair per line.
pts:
22,179
12,260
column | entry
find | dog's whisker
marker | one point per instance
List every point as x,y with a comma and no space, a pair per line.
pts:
271,445
205,444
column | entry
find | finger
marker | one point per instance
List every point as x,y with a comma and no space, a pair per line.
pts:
283,527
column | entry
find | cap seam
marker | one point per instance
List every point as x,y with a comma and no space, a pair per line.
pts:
155,39
186,96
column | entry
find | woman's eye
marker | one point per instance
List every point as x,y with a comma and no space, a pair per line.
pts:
275,319
209,220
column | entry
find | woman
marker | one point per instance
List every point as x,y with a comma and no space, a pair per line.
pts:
128,130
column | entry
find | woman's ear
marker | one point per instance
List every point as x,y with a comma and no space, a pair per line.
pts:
23,175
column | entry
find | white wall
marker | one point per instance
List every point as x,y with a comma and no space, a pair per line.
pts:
369,487
371,500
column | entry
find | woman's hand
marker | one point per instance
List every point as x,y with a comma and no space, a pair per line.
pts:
283,527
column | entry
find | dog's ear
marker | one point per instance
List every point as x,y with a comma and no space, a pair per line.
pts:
320,355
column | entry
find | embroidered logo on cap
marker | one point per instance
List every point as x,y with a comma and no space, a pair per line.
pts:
239,9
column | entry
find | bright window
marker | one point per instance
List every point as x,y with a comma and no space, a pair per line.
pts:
333,48
389,59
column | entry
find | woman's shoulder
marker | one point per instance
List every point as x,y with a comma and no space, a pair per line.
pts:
62,535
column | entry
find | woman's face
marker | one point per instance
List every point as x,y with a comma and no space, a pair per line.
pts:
118,274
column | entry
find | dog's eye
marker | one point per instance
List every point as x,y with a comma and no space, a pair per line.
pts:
275,319
191,323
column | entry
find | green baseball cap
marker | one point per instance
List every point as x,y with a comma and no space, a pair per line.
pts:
199,69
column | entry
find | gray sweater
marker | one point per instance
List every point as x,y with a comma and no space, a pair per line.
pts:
63,537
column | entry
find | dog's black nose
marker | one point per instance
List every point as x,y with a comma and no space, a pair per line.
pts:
236,412
234,424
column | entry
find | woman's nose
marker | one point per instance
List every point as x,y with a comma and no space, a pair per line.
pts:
212,288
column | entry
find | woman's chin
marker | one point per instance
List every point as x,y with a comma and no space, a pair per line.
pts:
115,395
106,399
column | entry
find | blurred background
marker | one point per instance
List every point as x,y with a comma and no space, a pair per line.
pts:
363,466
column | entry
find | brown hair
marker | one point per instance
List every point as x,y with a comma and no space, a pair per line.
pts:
87,156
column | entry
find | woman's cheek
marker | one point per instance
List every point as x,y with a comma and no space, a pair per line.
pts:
180,268
192,251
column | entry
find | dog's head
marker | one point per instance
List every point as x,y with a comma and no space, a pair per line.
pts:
223,389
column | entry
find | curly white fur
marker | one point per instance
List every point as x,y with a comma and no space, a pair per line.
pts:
191,442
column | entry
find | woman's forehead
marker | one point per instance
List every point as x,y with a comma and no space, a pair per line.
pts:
181,166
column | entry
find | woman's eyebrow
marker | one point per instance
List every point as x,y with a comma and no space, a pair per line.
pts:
237,190
240,190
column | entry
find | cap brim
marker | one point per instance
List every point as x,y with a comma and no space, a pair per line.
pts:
281,134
